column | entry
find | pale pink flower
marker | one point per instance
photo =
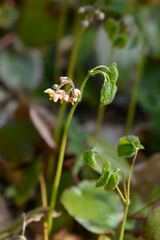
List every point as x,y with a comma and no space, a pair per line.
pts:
76,92
64,95
53,95
71,100
49,91
56,97
63,79
55,86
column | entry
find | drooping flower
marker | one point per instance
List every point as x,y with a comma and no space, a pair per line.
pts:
76,92
71,100
53,95
64,95
63,80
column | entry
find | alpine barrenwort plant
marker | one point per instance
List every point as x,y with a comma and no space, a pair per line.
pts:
74,95
128,146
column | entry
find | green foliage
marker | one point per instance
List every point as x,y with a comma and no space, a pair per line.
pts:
111,27
36,27
120,41
103,180
112,182
152,230
105,93
109,153
21,69
113,73
17,141
77,139
88,158
108,178
128,145
109,88
94,209
29,180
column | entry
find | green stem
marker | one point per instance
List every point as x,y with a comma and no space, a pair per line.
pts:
128,199
121,194
99,121
124,183
101,110
62,151
59,169
134,94
100,157
60,160
123,222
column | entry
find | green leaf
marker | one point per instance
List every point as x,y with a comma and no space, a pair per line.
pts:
77,139
109,153
19,133
103,179
105,93
128,145
106,166
93,148
120,41
88,158
112,182
113,73
96,210
152,229
111,28
113,93
21,69
36,27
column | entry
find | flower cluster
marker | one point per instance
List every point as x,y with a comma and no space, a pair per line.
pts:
90,14
57,93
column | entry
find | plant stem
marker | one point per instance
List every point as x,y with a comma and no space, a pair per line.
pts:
101,110
62,110
121,195
99,121
124,222
127,199
124,184
102,160
59,169
62,151
44,203
134,94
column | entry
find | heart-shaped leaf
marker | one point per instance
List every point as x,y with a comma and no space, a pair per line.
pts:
111,28
96,210
112,182
152,229
103,179
88,158
109,153
128,145
106,166
120,41
113,73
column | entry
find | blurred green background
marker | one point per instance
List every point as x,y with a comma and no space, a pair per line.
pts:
37,41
